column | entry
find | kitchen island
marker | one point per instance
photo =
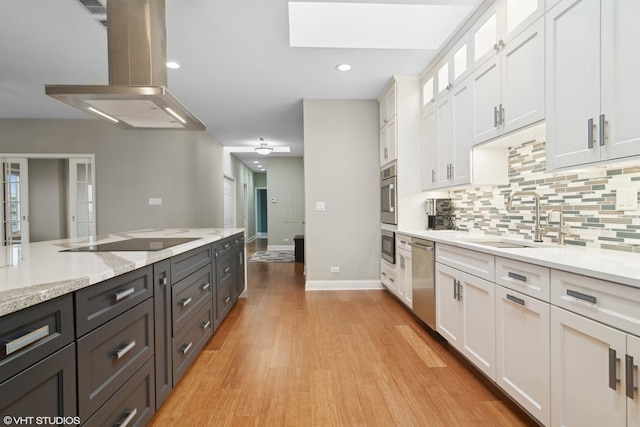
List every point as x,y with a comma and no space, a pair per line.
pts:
106,329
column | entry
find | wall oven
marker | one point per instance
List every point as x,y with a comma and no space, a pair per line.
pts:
389,246
388,195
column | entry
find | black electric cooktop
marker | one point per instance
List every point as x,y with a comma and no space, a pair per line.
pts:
137,244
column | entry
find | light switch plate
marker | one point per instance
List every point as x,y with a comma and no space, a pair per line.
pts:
155,201
320,206
627,199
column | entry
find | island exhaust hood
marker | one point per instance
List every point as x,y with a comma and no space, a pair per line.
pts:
137,96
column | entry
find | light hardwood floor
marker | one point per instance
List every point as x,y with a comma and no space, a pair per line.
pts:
284,356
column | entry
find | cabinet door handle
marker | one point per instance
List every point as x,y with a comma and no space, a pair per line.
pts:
501,114
433,175
451,171
186,348
227,299
124,350
459,290
122,295
27,339
515,299
613,375
163,279
226,270
130,417
630,386
602,130
240,258
455,289
185,302
495,117
206,324
205,287
590,133
517,276
581,296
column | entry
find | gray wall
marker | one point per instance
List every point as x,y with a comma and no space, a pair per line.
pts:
244,176
183,168
341,141
48,180
286,184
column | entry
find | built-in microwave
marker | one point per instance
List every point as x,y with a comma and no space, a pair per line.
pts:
388,195
389,246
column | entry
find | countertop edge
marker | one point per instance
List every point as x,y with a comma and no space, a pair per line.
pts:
546,256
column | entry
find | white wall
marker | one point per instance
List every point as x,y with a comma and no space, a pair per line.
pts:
341,167
285,217
181,167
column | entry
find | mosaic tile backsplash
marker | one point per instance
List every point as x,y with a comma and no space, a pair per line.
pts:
587,199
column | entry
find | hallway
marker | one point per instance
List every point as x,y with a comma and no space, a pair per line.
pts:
284,356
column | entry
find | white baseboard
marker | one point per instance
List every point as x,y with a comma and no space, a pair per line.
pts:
281,247
262,235
342,285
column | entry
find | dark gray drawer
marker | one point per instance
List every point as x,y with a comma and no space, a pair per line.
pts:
132,405
225,297
189,262
163,332
189,295
226,265
224,247
188,344
46,389
110,355
102,302
32,334
237,240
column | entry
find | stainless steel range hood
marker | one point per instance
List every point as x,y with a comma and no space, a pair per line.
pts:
137,96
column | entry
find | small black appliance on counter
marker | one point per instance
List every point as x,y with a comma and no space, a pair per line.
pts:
439,213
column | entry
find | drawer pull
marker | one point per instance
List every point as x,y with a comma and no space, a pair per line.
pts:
122,295
205,287
581,296
186,348
124,350
163,280
384,274
392,279
130,417
206,324
515,299
518,276
227,299
613,375
185,302
630,386
226,270
27,339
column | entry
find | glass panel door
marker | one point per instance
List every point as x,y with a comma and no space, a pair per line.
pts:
15,201
81,198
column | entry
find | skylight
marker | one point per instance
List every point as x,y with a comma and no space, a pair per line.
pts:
374,26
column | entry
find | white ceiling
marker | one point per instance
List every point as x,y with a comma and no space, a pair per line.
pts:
238,73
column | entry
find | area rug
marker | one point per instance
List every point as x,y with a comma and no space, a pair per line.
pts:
272,256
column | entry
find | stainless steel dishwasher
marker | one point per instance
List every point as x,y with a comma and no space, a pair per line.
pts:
423,280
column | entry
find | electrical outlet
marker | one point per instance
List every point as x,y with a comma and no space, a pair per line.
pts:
286,240
335,269
627,199
155,201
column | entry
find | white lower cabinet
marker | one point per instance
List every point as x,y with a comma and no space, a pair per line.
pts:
522,351
404,290
587,372
632,360
465,316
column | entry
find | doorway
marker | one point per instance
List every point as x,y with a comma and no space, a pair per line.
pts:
262,228
47,197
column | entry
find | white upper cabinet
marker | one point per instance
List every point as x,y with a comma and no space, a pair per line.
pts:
452,68
508,88
592,84
429,143
387,106
428,92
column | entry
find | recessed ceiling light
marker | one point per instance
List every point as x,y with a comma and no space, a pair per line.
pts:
256,162
343,67
173,65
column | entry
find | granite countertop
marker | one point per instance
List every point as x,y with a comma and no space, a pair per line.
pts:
37,272
613,266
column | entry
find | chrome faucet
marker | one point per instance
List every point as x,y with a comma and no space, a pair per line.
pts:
562,227
538,230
